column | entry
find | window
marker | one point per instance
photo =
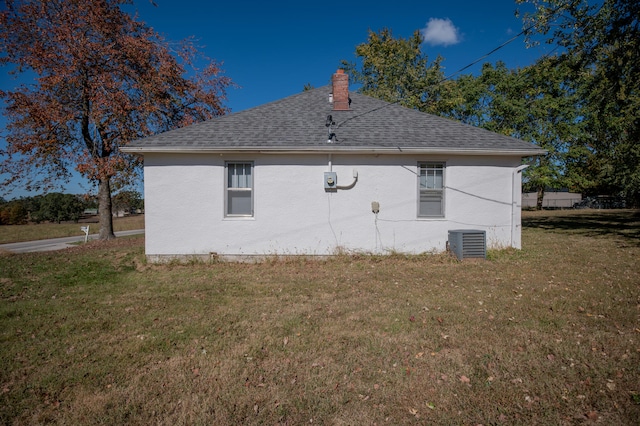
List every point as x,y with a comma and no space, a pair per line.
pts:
431,189
239,190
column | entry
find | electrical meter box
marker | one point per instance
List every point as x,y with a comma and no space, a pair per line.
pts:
330,180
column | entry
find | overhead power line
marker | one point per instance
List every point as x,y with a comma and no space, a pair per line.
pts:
450,76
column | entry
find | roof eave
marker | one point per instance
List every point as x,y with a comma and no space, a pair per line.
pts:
330,149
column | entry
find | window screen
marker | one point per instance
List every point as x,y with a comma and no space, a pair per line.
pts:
239,189
431,189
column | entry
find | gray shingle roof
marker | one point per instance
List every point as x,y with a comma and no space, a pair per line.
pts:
297,124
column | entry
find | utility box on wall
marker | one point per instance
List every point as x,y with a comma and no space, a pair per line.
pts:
468,243
330,180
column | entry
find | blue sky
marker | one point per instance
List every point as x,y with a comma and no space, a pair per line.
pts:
271,49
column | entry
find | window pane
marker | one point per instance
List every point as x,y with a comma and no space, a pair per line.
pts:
430,203
431,176
423,178
241,181
233,176
437,179
248,181
239,175
239,202
430,179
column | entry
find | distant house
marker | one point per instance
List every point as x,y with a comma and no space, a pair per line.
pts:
120,213
327,171
552,199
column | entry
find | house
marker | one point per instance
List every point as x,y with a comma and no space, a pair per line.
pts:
327,171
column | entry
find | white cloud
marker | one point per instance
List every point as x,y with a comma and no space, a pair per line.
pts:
440,32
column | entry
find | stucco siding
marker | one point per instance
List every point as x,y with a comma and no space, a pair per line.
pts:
184,203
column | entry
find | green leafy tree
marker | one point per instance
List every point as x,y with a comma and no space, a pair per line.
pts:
470,100
57,207
396,70
501,104
13,212
554,122
537,104
103,79
602,39
128,200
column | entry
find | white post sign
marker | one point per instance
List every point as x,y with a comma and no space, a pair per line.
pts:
85,229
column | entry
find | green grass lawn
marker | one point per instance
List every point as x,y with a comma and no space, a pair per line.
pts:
546,335
19,233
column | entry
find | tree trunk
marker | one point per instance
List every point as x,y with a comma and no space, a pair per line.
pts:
104,210
540,198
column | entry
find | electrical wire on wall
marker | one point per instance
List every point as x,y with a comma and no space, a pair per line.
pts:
375,209
377,236
329,219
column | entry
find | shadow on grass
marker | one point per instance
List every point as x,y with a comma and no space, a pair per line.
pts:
619,223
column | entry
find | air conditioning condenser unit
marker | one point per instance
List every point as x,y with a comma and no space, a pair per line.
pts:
468,243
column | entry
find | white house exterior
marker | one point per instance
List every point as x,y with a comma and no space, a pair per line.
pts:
306,176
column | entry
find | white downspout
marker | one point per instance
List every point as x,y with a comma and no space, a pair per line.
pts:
330,165
514,202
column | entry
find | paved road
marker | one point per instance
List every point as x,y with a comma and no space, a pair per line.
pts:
57,243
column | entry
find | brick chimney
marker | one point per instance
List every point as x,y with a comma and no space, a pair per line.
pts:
340,83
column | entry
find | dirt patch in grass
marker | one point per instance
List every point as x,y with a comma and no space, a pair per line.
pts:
546,335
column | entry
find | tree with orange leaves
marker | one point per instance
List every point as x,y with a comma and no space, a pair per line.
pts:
102,79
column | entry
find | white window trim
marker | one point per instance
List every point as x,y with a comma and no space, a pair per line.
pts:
228,215
441,191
